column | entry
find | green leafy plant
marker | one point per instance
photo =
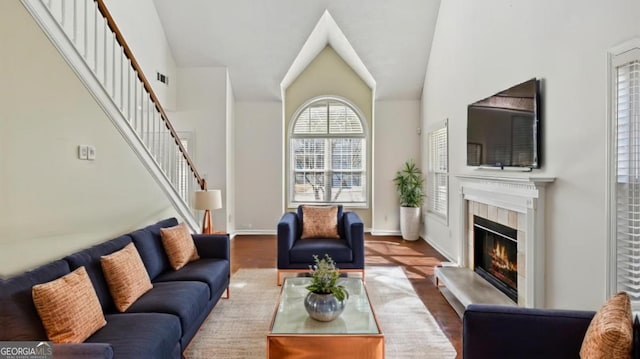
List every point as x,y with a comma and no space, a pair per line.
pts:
324,276
409,183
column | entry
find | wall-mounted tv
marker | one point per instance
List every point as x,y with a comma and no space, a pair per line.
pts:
503,130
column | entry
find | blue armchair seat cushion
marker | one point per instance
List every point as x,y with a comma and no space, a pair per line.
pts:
213,272
90,259
304,249
147,335
186,300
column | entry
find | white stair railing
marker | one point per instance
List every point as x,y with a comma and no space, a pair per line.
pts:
87,37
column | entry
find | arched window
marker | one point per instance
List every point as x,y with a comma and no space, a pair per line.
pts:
327,154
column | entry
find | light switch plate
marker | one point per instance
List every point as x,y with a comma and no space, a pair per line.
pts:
82,152
91,153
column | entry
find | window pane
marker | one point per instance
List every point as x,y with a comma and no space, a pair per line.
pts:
327,156
437,172
346,153
309,187
313,120
308,153
184,172
343,120
347,180
348,187
627,188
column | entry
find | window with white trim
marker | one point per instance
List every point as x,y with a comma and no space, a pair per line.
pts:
438,171
625,180
327,155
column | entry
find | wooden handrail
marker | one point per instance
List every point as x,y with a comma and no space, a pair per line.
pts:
127,51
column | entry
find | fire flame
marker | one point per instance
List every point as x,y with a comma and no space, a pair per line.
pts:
500,259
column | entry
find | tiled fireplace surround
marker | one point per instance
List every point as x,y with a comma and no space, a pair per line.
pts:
516,202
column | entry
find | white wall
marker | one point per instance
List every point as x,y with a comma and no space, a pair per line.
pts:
141,27
202,103
53,204
482,47
197,100
231,158
395,141
258,164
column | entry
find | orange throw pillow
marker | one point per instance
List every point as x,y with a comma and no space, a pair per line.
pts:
319,222
126,276
69,307
178,244
610,333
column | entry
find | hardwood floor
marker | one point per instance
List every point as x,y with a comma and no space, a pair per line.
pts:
418,260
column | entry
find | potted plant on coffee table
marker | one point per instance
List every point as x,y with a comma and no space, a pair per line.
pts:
409,183
326,298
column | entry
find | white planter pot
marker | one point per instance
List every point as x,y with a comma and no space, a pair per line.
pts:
410,223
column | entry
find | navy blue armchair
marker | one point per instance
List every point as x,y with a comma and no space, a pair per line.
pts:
492,331
295,255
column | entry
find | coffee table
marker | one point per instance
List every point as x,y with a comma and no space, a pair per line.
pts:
354,334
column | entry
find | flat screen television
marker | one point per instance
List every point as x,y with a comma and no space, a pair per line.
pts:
503,130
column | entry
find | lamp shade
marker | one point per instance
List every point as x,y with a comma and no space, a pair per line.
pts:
208,199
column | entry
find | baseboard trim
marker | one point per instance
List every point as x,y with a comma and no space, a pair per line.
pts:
439,249
254,232
385,232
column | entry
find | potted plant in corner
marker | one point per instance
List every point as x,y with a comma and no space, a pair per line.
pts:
409,183
326,299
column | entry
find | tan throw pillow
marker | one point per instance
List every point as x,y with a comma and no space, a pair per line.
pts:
179,245
319,222
126,276
610,333
69,307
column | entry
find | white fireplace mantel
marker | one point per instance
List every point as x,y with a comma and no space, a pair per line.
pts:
525,195
513,193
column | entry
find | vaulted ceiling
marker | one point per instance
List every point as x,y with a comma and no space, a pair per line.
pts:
260,40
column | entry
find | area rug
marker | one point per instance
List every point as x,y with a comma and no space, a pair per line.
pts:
237,327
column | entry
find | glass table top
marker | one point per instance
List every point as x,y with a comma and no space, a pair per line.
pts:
292,318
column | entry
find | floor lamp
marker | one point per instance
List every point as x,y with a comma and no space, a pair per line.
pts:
207,201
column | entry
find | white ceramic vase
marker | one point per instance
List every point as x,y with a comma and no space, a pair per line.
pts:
410,223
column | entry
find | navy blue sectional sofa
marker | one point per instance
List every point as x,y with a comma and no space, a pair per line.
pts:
160,324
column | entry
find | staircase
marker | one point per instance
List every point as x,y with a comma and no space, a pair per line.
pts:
86,36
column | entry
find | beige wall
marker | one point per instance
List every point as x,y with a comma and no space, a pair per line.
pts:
328,74
51,203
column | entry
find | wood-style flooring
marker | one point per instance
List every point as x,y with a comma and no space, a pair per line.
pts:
418,260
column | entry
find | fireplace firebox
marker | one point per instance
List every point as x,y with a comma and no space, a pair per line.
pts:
496,255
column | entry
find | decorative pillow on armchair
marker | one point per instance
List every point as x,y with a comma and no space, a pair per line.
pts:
319,222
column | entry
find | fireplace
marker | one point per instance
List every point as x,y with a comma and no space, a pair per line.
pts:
496,255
